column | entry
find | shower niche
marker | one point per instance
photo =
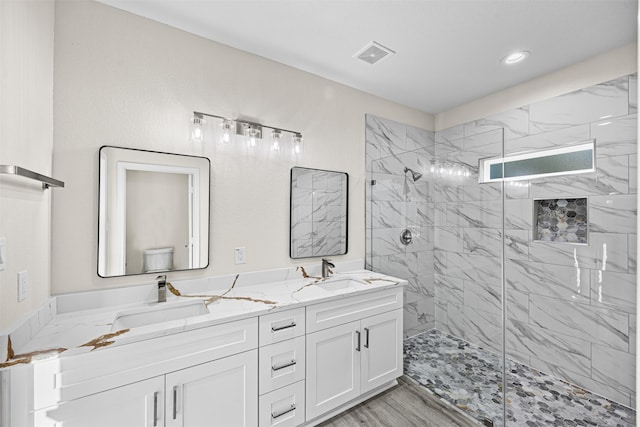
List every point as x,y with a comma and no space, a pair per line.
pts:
561,220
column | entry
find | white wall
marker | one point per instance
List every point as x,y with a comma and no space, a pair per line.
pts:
124,80
26,138
607,66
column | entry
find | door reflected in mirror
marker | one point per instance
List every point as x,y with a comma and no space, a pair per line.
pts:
153,212
319,213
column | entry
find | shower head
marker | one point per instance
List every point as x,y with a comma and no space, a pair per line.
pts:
415,175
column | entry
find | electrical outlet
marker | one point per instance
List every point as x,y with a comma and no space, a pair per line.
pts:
241,255
22,285
3,253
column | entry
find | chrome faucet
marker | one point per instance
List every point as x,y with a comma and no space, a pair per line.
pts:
162,288
326,265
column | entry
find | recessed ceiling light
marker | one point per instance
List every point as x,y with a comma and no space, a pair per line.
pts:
515,57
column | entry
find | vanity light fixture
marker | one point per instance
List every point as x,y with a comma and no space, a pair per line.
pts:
250,130
226,131
515,57
297,144
197,128
275,136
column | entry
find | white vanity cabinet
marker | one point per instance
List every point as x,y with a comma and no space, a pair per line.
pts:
354,345
202,377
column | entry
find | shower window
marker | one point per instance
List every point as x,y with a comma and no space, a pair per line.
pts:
558,161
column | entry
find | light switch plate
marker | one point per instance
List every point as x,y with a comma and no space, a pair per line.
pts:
240,255
22,285
3,253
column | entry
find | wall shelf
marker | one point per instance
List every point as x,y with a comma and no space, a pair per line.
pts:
17,170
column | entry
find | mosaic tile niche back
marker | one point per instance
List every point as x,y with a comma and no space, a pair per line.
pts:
561,220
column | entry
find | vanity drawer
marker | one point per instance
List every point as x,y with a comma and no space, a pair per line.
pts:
281,364
333,313
281,326
283,407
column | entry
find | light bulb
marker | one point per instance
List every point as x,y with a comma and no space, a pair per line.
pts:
253,134
225,138
197,128
275,135
297,144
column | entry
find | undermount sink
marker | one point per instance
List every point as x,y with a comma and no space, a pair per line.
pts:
338,283
160,312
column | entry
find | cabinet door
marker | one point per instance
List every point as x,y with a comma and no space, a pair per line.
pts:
219,393
381,349
333,368
139,404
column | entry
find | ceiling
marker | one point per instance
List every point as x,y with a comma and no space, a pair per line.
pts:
448,52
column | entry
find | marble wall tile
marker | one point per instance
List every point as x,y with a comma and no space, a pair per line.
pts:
388,214
440,214
449,140
633,174
583,381
570,255
475,214
419,316
613,367
516,189
611,177
479,327
613,290
474,267
632,333
633,253
611,251
598,325
554,281
603,209
487,141
481,296
440,314
387,188
518,214
423,285
420,214
548,140
386,241
633,93
400,265
570,353
482,241
485,191
422,240
582,106
515,123
517,305
448,239
419,191
420,138
616,136
516,244
440,261
449,289
390,165
425,261
446,191
387,134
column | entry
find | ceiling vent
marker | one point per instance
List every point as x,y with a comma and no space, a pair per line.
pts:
373,52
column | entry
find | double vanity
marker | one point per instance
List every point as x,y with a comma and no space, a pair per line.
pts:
276,348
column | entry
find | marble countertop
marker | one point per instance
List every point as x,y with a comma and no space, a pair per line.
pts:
84,330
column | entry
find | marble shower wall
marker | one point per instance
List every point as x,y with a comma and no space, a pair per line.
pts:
571,309
396,202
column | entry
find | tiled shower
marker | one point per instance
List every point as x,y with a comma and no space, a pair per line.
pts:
493,263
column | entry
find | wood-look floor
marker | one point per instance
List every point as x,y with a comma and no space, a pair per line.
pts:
407,404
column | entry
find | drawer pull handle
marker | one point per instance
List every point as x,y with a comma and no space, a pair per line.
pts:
358,345
280,328
175,402
275,415
366,337
155,409
286,365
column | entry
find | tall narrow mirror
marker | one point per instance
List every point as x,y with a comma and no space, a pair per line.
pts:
319,214
153,212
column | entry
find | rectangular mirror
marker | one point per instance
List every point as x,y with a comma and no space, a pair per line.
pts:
153,213
319,201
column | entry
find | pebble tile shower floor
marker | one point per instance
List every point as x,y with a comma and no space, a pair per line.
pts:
469,377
